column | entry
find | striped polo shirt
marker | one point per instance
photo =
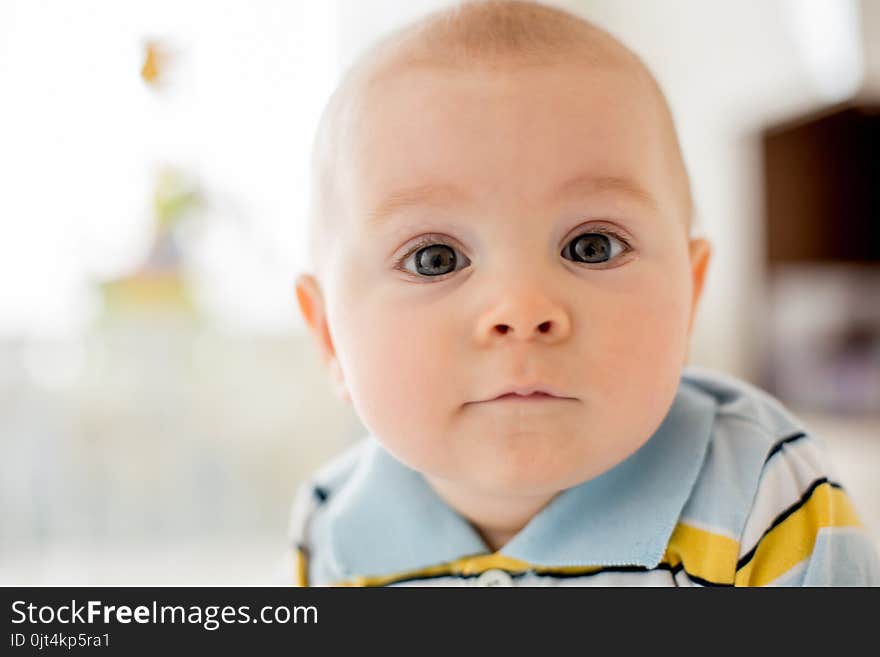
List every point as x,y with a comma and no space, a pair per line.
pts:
731,490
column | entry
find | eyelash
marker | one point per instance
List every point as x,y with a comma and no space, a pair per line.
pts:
431,240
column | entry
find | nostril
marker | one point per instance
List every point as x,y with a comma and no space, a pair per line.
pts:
543,327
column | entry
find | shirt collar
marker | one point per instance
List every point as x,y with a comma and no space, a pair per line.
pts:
386,519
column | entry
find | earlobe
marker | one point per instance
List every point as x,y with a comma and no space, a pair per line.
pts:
339,380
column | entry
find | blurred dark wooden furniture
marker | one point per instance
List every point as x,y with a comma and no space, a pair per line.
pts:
822,187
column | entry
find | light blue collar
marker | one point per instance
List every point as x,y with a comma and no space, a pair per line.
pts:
386,519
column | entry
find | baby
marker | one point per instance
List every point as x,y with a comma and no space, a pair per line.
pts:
503,283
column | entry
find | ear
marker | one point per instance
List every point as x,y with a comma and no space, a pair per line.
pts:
700,252
314,313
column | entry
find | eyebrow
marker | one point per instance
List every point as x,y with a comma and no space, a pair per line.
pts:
420,195
592,184
438,194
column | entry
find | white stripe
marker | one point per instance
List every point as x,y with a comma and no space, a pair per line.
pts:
706,527
682,579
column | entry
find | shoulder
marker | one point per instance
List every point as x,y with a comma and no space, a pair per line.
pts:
752,433
739,402
313,496
769,484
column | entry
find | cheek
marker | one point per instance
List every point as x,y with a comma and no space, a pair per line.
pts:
649,329
398,367
642,346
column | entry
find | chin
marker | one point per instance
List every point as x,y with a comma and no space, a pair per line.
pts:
543,473
532,480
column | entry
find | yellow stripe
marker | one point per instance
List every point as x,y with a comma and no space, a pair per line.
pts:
471,565
301,568
706,555
792,540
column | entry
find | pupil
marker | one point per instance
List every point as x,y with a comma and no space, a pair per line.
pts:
592,247
435,260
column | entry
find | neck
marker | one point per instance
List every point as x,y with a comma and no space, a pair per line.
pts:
496,518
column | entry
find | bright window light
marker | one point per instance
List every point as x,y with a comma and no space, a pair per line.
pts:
83,136
828,35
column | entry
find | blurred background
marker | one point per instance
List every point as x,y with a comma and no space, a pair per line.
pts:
159,397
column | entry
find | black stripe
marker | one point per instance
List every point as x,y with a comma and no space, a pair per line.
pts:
563,575
699,580
705,582
778,446
785,514
608,569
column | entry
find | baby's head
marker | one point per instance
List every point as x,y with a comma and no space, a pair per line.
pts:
501,204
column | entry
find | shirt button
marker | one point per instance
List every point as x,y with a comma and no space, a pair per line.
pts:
494,577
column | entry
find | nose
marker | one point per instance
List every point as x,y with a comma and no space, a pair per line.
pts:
526,314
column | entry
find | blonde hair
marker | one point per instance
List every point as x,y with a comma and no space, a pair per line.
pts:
489,33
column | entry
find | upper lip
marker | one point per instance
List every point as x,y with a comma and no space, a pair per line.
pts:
525,390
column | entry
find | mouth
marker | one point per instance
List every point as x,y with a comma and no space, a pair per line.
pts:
533,397
529,394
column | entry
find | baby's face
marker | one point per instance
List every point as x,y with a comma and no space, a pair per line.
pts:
508,230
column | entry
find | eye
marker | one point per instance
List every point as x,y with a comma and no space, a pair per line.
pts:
594,248
432,259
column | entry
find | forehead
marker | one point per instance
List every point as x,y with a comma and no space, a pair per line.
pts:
507,134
